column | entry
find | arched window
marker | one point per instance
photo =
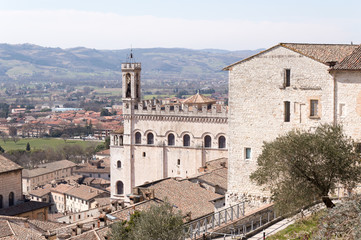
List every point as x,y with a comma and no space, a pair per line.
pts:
120,187
138,138
128,87
1,201
170,139
207,141
11,199
119,164
186,140
150,138
221,142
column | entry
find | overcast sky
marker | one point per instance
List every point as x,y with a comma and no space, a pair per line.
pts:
196,24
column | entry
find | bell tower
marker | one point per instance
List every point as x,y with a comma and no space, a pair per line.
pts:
131,84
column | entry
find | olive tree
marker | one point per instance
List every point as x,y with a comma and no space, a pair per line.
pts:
159,222
304,166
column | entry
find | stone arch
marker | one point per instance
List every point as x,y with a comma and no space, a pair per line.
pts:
171,139
222,142
150,138
207,141
138,138
120,187
11,199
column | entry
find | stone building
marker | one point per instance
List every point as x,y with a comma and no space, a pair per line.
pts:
282,88
46,173
10,187
161,140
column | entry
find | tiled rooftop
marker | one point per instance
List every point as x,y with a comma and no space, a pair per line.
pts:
187,196
7,165
322,52
351,62
47,168
84,192
198,99
23,208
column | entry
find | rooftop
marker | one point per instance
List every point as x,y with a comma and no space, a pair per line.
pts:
47,168
6,165
84,192
351,62
198,99
187,196
23,208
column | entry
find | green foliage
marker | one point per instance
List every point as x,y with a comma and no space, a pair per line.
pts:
159,222
302,229
301,167
105,112
28,147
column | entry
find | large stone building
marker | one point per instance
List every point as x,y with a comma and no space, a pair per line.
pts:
163,140
282,88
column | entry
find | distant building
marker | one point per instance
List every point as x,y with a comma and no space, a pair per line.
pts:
99,168
46,173
161,140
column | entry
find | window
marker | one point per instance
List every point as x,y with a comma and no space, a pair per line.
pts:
248,153
138,138
287,111
178,162
144,154
11,199
287,80
150,138
170,139
207,141
221,142
186,140
1,201
314,108
119,164
120,187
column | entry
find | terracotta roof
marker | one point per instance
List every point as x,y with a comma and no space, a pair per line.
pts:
198,99
23,208
124,213
320,52
104,152
217,177
41,191
62,188
6,165
84,192
187,196
120,130
351,62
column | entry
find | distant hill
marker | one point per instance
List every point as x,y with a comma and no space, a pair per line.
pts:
27,62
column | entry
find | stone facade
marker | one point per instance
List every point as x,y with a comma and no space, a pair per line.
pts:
162,140
10,185
289,86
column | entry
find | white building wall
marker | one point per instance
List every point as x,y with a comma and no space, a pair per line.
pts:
256,103
348,105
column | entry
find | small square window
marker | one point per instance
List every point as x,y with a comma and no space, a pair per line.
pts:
248,153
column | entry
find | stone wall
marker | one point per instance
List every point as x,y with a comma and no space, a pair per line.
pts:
257,110
11,182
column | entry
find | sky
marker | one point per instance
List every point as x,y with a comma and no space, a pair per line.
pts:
195,24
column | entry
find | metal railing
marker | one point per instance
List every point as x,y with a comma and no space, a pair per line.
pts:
205,224
229,218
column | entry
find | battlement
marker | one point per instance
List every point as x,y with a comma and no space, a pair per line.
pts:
130,66
156,107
